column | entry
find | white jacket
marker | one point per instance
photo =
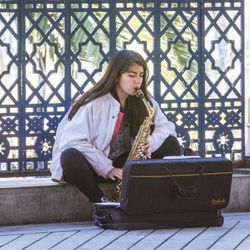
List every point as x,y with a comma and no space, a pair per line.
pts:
91,129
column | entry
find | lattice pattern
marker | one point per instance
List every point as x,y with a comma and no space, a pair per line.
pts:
10,99
90,33
50,51
223,87
179,69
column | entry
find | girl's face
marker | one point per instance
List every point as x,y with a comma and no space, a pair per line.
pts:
130,81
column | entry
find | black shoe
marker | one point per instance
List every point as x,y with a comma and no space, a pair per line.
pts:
188,152
105,199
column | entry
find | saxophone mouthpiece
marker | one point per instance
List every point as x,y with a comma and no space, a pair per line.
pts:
139,93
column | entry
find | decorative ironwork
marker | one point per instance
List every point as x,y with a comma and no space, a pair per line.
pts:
51,51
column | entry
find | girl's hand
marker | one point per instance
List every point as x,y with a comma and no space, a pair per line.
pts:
114,174
146,150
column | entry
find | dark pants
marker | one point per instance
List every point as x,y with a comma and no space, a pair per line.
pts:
78,171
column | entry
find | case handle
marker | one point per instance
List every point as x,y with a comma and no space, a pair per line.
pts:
185,192
182,192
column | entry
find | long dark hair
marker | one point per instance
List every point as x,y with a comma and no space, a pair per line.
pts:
119,63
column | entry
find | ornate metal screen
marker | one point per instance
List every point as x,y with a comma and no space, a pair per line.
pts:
50,51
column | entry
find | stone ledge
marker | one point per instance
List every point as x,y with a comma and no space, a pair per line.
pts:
240,192
22,182
39,200
33,200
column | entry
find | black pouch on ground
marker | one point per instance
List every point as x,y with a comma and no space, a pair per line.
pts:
169,193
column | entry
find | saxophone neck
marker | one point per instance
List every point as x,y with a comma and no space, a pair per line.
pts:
149,108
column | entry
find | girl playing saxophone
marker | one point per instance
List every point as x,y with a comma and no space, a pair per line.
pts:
95,137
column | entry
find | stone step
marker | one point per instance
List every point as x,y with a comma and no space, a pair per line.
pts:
32,200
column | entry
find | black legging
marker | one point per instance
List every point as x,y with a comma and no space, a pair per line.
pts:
78,171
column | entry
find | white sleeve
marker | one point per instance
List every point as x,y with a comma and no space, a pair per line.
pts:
78,134
163,128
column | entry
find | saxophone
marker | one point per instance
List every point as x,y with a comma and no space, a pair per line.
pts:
141,139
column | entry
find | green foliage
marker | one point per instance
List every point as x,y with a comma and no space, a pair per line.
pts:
87,40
